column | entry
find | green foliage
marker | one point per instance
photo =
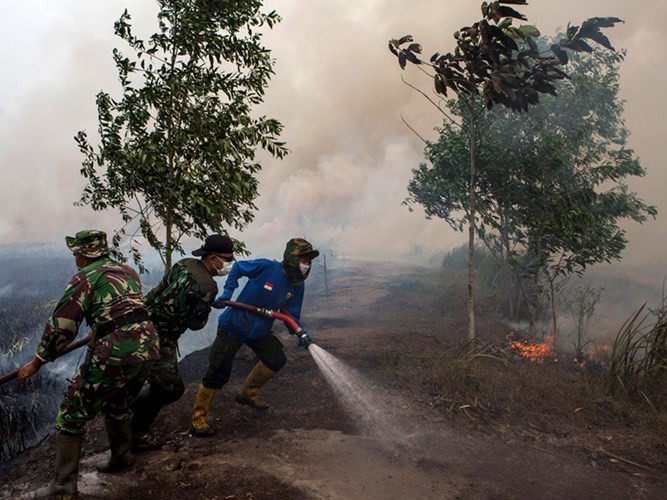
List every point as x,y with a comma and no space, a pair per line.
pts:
495,63
551,188
177,149
502,63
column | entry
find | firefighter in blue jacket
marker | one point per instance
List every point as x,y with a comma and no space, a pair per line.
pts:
271,285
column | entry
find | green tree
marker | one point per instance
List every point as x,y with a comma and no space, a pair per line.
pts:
177,150
496,63
552,182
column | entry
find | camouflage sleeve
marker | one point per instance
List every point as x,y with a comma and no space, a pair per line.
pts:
177,303
164,301
156,291
199,309
63,325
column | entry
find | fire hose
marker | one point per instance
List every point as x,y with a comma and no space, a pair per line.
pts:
72,347
283,316
292,325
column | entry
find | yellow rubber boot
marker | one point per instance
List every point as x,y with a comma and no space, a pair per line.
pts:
255,380
200,427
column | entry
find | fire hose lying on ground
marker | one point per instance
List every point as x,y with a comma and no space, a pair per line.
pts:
283,316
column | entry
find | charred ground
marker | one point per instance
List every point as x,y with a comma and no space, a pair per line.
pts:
480,421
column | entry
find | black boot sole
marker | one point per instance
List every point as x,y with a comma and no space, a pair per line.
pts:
201,432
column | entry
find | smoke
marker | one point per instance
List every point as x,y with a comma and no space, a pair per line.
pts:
338,91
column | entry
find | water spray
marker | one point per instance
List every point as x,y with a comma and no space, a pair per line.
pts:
374,414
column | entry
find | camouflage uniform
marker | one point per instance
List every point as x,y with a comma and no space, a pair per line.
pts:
108,296
181,301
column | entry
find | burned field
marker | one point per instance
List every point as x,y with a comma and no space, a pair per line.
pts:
480,421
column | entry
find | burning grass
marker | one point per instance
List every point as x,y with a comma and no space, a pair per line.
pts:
551,403
536,351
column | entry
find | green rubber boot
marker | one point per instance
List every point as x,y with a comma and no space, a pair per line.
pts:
64,485
120,442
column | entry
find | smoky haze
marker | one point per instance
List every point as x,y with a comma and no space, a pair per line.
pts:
337,90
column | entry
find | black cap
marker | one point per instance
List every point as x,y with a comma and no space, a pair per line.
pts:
216,243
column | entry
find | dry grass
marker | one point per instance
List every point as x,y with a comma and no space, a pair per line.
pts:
486,385
551,405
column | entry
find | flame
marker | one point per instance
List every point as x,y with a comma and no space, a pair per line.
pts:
535,351
598,352
594,354
581,363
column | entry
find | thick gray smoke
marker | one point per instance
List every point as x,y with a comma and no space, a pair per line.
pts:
338,91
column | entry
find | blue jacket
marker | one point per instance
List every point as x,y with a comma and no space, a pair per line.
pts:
267,287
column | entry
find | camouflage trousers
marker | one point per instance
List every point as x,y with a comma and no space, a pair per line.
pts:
164,386
165,382
100,387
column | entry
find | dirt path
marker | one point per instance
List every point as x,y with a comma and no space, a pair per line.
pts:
310,445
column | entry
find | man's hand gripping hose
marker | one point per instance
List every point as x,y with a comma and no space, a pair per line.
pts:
35,365
304,338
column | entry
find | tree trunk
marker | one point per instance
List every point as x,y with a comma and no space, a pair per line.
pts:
169,244
510,289
532,310
471,229
535,292
554,320
326,282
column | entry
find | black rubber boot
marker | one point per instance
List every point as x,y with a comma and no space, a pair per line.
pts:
120,442
146,408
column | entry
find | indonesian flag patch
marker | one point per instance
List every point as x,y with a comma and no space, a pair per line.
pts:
268,286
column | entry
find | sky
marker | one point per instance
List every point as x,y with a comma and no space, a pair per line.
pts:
339,94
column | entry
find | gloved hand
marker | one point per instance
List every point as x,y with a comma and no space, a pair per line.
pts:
217,303
305,339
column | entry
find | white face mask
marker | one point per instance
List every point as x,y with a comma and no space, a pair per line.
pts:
304,268
226,267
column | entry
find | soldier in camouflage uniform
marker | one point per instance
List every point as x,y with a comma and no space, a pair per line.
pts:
181,301
108,296
271,285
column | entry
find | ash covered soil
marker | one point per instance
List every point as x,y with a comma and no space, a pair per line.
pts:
310,445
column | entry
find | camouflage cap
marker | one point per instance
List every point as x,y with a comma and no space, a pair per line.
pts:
89,243
298,247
